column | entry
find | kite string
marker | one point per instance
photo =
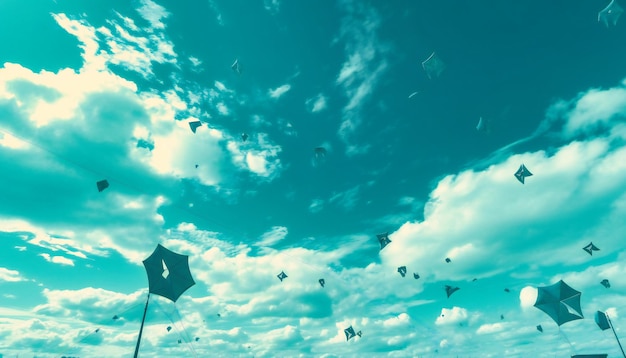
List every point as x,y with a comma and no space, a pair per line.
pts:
185,336
99,326
572,349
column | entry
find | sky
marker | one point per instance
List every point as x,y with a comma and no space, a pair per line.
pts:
106,90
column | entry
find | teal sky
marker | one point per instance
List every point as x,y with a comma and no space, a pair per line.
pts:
107,90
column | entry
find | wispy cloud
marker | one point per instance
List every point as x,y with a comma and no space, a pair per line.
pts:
272,237
154,13
365,63
279,91
273,6
316,104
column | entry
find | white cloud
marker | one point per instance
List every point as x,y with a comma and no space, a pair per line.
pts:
364,65
316,205
490,328
154,13
279,91
316,104
10,275
275,235
452,316
273,6
61,260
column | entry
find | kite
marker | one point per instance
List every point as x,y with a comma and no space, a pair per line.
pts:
483,126
322,282
168,273
560,302
590,248
602,320
281,276
169,328
349,333
168,276
383,239
402,270
219,315
359,333
605,283
450,290
320,152
522,173
539,328
416,276
507,290
102,184
433,66
115,317
448,260
244,137
194,125
236,67
611,13
501,317
197,339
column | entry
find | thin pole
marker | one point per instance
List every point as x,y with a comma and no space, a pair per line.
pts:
617,339
141,329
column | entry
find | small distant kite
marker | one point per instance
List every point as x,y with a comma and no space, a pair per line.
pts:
359,333
320,152
115,317
501,317
450,290
591,248
383,239
244,137
507,290
522,173
349,333
169,328
236,67
433,66
197,339
281,276
560,302
483,126
194,125
539,328
102,184
416,276
610,14
322,282
605,283
448,260
402,270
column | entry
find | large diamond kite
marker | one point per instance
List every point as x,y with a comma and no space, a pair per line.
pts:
559,301
168,273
